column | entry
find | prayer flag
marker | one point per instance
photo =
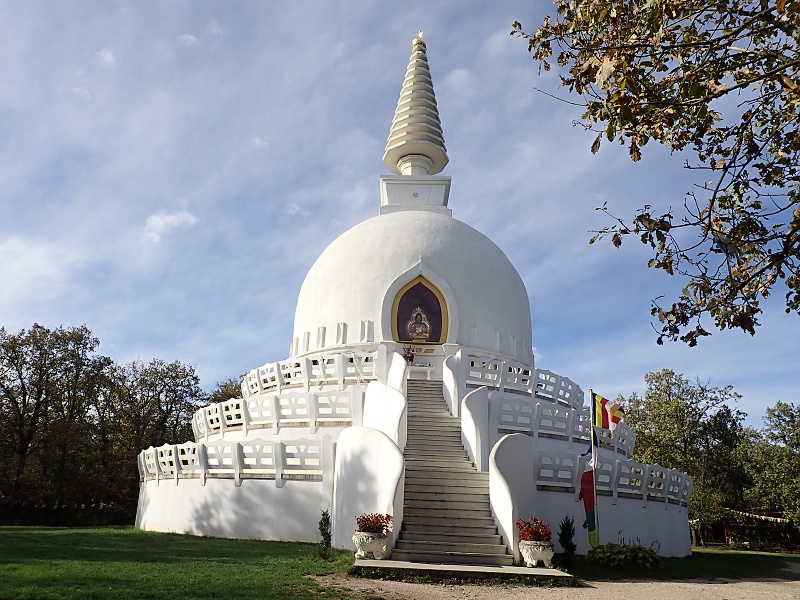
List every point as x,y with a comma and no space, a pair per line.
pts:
606,413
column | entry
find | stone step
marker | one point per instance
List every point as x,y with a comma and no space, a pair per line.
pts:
432,426
452,527
454,513
434,453
441,438
435,476
484,535
456,523
462,558
443,460
427,413
439,494
459,547
431,472
421,504
432,456
448,486
436,443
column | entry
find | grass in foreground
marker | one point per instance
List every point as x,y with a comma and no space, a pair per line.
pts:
123,563
704,563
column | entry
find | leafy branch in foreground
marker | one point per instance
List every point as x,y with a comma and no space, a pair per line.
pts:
667,70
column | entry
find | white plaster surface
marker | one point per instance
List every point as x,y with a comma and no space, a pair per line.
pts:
350,281
510,484
385,411
369,468
257,509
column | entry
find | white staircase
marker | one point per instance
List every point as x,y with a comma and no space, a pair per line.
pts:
446,514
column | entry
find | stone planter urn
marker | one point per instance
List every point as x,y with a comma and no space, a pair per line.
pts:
535,551
369,543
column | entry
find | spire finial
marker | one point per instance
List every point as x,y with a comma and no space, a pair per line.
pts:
416,143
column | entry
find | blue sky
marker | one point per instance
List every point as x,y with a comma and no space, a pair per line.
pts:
171,169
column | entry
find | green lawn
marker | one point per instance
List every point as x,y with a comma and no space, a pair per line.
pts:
123,563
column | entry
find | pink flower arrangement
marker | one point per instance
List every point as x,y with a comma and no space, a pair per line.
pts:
374,523
534,530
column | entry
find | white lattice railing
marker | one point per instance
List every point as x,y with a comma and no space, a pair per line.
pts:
310,371
498,373
313,409
305,459
513,413
558,389
514,376
562,471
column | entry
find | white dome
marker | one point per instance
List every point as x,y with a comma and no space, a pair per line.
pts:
350,289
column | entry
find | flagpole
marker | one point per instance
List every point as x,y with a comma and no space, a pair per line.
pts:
595,443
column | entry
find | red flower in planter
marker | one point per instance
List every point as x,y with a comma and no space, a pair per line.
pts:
374,523
534,530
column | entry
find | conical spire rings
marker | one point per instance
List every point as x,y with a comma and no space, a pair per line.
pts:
416,142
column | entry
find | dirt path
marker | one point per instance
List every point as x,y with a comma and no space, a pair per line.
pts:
717,589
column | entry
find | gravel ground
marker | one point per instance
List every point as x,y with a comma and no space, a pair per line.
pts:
715,589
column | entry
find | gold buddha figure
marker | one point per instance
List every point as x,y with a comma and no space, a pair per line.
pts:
418,326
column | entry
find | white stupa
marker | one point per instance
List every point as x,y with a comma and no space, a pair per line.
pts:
410,390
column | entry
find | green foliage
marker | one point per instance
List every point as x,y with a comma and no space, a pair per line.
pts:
721,80
774,462
690,426
72,422
628,556
325,531
566,538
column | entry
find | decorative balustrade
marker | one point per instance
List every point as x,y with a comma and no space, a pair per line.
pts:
513,413
505,375
303,459
562,471
310,371
558,389
324,408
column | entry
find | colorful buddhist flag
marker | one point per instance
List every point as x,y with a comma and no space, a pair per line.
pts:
606,413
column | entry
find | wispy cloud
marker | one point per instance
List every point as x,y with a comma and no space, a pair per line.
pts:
161,222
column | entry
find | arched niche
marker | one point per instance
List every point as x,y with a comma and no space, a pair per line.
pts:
419,313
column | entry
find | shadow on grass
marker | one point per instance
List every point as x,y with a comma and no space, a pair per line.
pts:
704,564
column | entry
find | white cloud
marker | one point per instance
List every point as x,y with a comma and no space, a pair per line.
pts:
105,58
33,274
161,222
258,141
187,39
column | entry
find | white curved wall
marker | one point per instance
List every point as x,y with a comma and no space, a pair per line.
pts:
353,280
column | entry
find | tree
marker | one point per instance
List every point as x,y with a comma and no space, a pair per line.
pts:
72,422
691,426
775,464
227,389
720,79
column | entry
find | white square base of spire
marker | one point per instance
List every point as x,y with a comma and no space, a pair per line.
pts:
415,193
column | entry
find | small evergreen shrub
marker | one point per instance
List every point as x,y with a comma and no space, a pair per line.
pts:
623,555
566,537
324,532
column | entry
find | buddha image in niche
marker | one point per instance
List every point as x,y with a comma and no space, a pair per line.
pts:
418,326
